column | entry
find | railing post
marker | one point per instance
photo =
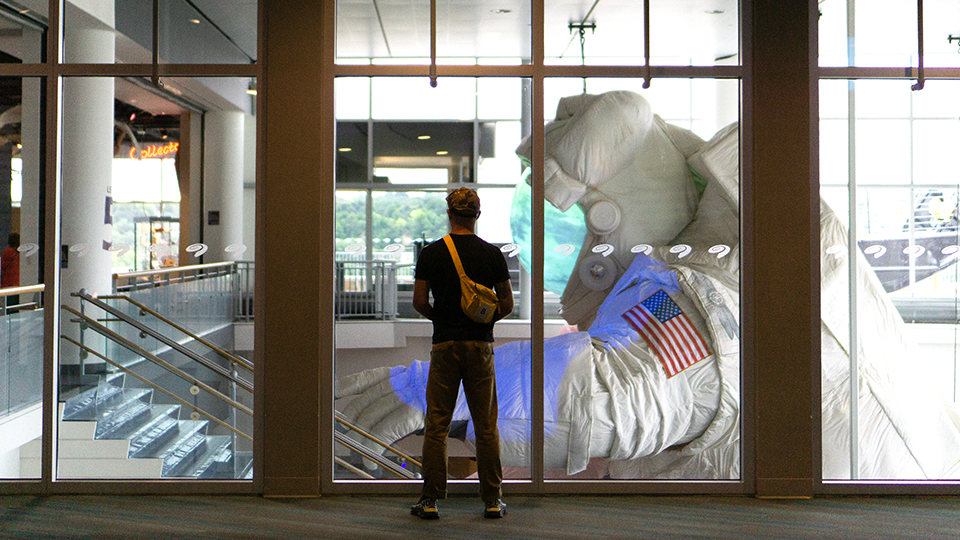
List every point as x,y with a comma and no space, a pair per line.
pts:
233,420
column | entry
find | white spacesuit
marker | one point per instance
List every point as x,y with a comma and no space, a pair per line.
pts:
608,390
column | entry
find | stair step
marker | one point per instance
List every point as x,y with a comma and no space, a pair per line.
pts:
185,448
86,469
130,409
85,405
93,449
215,462
244,461
162,426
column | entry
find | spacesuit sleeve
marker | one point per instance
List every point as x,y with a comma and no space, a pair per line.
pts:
596,138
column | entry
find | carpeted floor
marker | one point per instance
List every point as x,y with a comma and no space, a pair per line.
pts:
574,518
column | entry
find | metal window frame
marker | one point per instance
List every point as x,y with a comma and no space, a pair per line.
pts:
51,72
920,73
537,72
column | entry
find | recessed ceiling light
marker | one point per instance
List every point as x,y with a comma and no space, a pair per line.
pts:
24,11
195,21
442,153
345,149
500,11
423,137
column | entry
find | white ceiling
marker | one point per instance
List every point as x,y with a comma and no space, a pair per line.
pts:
686,29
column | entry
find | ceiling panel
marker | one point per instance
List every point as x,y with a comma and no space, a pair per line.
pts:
685,31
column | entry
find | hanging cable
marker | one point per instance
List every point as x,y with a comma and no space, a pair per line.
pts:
155,74
433,43
920,74
646,43
582,28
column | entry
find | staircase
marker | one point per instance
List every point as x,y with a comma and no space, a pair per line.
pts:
111,431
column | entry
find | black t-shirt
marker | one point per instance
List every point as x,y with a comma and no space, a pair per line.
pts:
483,263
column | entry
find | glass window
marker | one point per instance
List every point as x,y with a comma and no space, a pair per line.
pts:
23,36
641,236
419,154
209,32
612,34
102,33
468,32
899,191
154,377
22,305
412,97
121,31
884,34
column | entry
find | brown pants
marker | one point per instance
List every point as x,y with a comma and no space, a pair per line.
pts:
451,363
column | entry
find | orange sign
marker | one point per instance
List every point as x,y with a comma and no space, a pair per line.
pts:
154,150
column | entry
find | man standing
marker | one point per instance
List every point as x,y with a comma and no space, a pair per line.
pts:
462,352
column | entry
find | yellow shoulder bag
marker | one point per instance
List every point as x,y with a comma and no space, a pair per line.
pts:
478,302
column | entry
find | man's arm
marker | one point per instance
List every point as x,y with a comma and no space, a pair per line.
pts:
421,298
505,299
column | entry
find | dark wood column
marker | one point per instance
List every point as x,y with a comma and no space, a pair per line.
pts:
781,245
291,248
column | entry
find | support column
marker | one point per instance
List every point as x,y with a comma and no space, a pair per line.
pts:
86,170
223,185
781,307
294,308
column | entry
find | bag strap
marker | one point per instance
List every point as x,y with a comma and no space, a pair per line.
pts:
455,256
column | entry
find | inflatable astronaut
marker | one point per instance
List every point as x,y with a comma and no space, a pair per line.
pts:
609,391
661,205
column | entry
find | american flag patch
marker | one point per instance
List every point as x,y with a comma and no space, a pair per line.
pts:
669,332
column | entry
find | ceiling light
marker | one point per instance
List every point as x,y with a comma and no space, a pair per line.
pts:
133,117
195,21
423,137
345,149
442,153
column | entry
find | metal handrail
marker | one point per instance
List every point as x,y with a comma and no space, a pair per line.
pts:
352,469
174,270
373,456
16,292
157,387
186,273
339,418
11,291
133,347
240,381
234,359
